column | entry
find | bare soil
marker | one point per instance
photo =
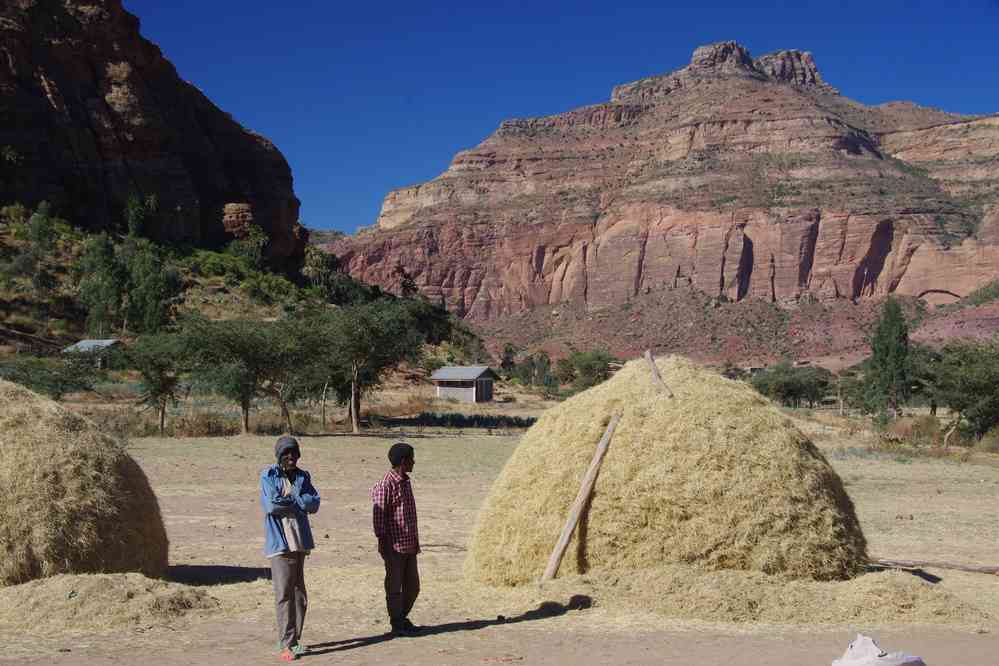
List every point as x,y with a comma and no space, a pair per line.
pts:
909,507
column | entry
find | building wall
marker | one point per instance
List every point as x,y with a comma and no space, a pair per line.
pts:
484,390
462,393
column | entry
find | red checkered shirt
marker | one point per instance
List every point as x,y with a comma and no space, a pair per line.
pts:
394,512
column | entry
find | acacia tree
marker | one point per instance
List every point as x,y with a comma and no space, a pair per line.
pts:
361,342
242,359
160,360
887,380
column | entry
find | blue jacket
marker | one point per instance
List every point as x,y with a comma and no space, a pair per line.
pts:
304,499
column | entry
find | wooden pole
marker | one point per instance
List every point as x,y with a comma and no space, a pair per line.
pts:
576,510
919,564
656,377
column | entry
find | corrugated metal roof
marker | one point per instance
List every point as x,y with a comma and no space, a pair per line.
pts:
84,346
463,372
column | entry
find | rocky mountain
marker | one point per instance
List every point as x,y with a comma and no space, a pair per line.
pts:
741,178
91,113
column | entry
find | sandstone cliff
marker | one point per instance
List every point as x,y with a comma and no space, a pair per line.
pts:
742,177
91,112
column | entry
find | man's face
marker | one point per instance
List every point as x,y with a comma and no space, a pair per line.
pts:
408,463
289,460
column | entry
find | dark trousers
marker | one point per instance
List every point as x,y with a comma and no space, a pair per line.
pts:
288,576
402,584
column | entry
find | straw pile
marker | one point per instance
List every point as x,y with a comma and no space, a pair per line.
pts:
74,500
715,478
85,603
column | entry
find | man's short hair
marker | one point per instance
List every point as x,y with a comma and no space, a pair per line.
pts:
398,452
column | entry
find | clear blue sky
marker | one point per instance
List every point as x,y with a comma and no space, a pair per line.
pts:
364,97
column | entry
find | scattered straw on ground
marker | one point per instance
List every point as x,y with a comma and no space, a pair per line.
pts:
715,478
97,603
883,598
74,500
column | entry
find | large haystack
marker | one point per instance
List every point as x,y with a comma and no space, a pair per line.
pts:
716,478
74,501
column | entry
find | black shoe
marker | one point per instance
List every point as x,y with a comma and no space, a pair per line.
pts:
404,628
410,626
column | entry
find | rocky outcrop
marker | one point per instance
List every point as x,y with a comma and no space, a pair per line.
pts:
743,178
92,113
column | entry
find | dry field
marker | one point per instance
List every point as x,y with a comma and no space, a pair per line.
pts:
909,507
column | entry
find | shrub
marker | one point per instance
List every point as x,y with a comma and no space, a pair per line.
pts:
205,424
267,288
915,430
989,442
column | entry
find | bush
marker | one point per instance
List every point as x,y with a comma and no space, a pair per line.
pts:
205,424
216,264
268,288
989,442
915,430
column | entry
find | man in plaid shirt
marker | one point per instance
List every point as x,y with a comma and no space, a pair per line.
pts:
394,518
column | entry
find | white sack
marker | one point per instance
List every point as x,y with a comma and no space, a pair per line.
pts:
865,652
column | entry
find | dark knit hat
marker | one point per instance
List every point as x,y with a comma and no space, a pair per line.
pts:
284,444
399,452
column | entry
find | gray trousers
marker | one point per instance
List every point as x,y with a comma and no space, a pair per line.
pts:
290,599
402,584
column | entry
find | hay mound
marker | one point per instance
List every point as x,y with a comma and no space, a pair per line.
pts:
74,500
715,478
85,603
883,598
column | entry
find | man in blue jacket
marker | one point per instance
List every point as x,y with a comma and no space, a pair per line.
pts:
288,496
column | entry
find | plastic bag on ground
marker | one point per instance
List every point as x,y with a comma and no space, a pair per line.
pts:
864,651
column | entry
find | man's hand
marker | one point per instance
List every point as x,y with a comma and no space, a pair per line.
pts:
383,547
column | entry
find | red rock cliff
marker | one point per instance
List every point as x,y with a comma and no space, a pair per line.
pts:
91,112
742,177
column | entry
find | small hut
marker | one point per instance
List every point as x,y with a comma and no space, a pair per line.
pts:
473,383
99,350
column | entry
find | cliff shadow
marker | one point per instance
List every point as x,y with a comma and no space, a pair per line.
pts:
865,278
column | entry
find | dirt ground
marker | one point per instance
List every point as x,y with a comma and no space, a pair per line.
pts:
909,507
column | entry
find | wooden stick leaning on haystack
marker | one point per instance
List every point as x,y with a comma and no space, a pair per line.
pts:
576,510
586,489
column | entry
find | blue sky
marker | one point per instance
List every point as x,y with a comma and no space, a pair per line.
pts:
364,97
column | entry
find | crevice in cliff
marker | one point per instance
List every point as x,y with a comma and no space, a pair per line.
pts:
806,254
865,278
745,271
773,279
640,264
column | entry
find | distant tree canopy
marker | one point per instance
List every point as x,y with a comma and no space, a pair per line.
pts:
132,284
793,386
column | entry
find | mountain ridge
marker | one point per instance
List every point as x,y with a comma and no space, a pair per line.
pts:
743,178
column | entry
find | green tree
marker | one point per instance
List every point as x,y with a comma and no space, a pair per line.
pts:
102,282
250,246
363,341
319,268
967,382
160,360
139,213
152,285
53,377
592,367
887,379
243,358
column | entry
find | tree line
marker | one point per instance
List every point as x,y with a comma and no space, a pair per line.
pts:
962,375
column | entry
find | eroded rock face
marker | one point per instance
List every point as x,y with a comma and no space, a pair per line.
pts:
746,178
92,112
